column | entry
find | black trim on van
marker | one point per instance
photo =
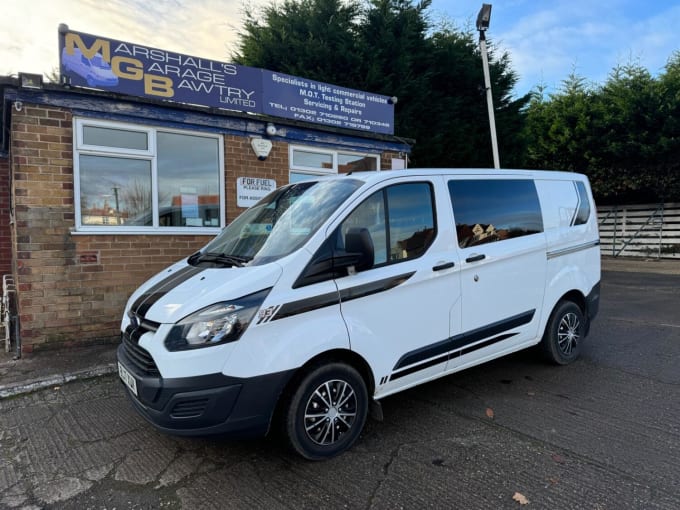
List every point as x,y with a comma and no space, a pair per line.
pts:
335,298
593,302
459,344
448,356
307,305
376,287
144,302
207,404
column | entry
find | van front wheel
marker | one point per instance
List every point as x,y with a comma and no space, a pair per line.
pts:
564,333
327,411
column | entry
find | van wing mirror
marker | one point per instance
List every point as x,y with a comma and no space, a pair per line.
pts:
328,261
359,251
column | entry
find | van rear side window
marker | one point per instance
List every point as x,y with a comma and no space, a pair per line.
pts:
583,211
489,210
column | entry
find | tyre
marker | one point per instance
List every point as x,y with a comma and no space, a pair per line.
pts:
561,343
327,411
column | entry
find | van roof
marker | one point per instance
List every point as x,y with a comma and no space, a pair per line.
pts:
377,176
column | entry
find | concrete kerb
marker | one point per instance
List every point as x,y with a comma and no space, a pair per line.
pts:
13,390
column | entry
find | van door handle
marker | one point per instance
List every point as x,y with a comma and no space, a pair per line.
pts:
475,258
441,267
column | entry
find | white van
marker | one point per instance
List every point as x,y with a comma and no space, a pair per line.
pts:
329,295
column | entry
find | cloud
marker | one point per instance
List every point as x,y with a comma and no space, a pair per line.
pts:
589,38
204,28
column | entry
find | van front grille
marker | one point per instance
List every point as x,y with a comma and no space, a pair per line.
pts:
139,356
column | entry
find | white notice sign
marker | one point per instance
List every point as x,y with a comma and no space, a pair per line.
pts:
249,190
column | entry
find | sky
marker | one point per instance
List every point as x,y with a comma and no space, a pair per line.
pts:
546,39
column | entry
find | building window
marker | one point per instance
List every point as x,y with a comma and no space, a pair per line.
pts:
489,210
130,178
307,162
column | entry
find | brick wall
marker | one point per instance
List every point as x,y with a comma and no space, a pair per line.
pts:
386,159
241,161
5,232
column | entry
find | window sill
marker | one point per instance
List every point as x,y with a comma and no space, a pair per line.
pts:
149,232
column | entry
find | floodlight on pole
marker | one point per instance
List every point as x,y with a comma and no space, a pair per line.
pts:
483,20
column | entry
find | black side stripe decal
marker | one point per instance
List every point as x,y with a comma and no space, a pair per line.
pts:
448,356
307,305
459,342
334,298
151,296
374,287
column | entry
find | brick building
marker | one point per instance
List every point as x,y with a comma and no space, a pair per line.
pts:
99,191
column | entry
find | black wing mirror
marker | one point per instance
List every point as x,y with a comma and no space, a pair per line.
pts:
329,262
359,250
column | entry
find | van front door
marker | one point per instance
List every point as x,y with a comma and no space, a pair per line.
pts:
398,311
503,266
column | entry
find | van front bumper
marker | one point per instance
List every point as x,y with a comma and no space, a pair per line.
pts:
206,404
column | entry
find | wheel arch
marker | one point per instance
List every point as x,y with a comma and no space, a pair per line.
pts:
575,296
351,358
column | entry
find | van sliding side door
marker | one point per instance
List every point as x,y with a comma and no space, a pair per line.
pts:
501,245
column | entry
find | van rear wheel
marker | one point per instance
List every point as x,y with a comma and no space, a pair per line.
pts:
327,411
561,343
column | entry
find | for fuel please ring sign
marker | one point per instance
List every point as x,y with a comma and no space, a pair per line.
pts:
250,190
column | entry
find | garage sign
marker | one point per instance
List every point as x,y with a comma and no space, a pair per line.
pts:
126,68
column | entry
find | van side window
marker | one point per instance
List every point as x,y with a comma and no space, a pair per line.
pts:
583,212
494,210
400,220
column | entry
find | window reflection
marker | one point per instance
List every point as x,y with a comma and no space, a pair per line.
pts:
111,137
405,232
411,220
356,163
583,212
493,210
309,159
188,180
115,191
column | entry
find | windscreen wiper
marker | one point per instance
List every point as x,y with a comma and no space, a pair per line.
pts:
234,260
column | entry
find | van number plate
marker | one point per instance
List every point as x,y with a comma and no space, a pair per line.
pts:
127,378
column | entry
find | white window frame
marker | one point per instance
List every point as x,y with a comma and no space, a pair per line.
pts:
80,148
312,171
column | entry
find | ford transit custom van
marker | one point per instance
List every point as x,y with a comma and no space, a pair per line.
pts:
330,294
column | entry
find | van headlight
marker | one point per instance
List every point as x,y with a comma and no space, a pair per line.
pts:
217,324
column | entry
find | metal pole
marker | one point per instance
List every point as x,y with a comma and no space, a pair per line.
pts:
489,99
115,192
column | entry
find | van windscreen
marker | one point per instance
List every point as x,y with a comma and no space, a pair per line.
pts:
278,224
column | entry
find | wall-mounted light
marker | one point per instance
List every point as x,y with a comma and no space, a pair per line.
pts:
271,129
393,100
30,81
